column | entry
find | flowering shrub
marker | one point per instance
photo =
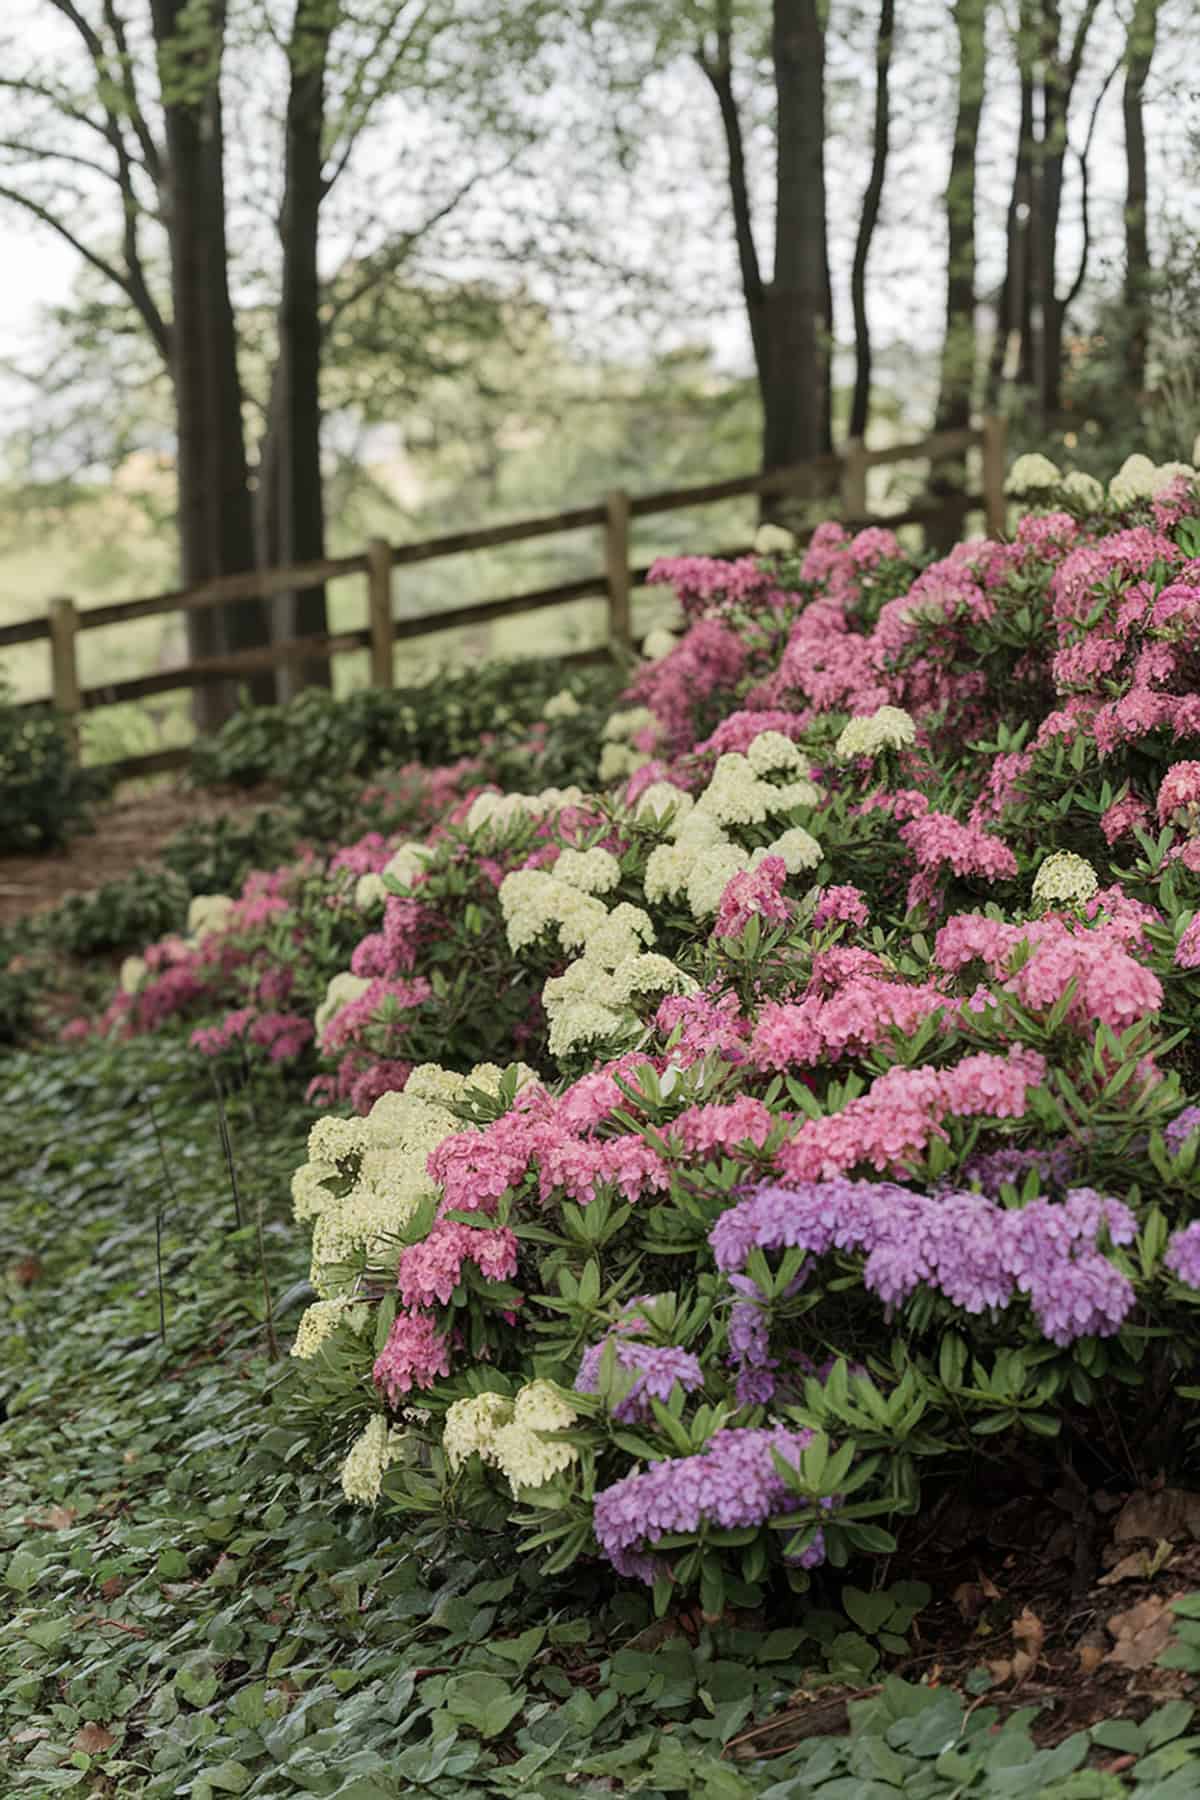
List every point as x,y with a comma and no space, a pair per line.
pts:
797,1107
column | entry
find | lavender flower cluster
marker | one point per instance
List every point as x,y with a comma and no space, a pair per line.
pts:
963,1246
731,1483
656,1370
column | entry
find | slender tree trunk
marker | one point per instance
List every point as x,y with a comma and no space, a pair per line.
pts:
798,416
861,402
216,535
1012,345
1139,55
959,347
296,395
1051,157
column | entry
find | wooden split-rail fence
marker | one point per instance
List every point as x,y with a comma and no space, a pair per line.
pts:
845,472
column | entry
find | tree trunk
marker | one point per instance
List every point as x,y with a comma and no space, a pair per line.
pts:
1012,346
1048,185
861,402
797,411
948,479
959,348
1139,55
295,459
216,535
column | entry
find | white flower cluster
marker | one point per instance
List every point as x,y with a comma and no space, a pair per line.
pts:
662,800
1140,479
500,810
618,760
593,871
702,858
534,900
658,643
508,1435
891,728
1032,474
620,727
1084,488
371,1454
133,973
319,1322
592,1000
562,705
773,540
380,1161
208,913
1064,876
405,864
341,991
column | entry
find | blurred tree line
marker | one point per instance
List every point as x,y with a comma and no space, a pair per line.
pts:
303,221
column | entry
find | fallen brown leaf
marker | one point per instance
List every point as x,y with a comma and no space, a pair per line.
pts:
92,1739
1140,1633
970,1600
1171,1513
114,1585
1139,1565
1090,1658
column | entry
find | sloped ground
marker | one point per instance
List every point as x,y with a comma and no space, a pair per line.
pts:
129,833
191,1610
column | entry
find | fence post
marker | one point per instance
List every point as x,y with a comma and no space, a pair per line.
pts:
995,506
379,607
854,479
64,670
616,570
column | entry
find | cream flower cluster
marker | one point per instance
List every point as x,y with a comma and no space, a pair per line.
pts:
1084,488
534,900
508,1435
1032,474
133,973
658,643
618,757
319,1322
371,1455
702,858
773,540
891,728
562,705
593,871
1140,479
1064,877
405,865
592,1002
341,991
208,912
379,1162
501,810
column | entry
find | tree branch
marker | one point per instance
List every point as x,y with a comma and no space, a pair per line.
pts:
361,102
718,71
1084,179
392,256
1079,43
151,156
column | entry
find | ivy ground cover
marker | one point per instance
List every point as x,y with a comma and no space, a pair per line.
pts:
722,1156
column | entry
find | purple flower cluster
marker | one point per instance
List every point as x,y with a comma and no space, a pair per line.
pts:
1183,1254
656,1370
963,1246
1181,1128
750,1344
731,1483
993,1169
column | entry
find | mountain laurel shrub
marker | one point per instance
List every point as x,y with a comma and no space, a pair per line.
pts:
798,1108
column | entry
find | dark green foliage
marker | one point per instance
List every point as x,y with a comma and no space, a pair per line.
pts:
122,915
316,736
44,797
213,856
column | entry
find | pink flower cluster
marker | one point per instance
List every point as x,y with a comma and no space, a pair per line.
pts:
432,1269
891,1125
753,894
1110,985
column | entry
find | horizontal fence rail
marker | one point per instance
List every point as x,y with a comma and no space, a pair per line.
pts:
845,473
